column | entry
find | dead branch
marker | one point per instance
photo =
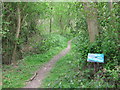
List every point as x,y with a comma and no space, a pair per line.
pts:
32,77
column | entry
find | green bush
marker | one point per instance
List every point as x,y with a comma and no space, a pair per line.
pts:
51,41
108,46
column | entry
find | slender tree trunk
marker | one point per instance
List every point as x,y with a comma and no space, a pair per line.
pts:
17,34
50,25
61,25
110,5
91,19
0,40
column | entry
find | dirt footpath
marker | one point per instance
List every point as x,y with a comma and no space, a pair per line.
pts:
42,73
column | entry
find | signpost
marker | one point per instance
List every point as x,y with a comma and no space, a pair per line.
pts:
95,58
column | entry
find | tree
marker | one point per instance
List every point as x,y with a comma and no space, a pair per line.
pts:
17,32
91,19
51,20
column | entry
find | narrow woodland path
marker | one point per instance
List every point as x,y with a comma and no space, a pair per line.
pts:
42,73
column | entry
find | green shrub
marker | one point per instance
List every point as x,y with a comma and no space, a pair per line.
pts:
51,41
106,45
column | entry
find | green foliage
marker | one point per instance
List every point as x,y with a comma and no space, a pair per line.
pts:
51,41
29,14
102,45
75,72
68,19
27,67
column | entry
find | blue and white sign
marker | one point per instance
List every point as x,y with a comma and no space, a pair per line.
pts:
95,58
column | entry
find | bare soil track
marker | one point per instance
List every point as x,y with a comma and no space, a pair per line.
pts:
42,73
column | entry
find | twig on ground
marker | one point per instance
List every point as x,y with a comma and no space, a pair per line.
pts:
32,77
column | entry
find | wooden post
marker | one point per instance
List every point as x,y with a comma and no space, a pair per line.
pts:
95,67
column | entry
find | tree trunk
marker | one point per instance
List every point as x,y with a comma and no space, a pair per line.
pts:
17,34
51,18
0,39
91,19
61,25
50,25
110,5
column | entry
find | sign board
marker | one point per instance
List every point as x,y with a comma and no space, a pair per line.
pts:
95,58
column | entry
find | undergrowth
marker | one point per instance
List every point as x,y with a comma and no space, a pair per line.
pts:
73,70
16,77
